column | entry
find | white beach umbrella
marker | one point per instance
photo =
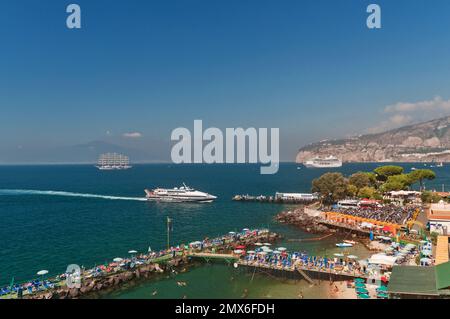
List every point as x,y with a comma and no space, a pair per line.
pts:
258,244
281,248
118,259
339,255
245,229
238,251
132,252
352,257
277,252
250,252
427,252
267,244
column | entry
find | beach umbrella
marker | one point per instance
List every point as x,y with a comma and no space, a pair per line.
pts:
117,260
352,257
281,249
364,296
382,288
267,244
238,251
132,252
359,280
268,250
231,233
245,229
339,255
426,252
250,252
240,247
362,290
258,244
360,285
277,252
425,260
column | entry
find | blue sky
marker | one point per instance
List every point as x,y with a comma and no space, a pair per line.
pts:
311,68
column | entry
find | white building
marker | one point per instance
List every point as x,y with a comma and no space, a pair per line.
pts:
439,218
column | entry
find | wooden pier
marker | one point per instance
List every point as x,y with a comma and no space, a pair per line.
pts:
298,272
294,272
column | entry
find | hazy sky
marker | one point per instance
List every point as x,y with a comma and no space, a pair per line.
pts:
311,68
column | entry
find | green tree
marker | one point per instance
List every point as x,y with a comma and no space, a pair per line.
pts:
352,190
430,197
331,187
384,172
396,183
420,175
360,180
367,192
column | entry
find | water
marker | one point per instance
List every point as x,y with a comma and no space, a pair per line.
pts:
52,216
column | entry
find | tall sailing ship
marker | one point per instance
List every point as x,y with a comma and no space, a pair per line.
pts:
113,161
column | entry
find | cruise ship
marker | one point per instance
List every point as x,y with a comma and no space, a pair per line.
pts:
179,194
327,162
113,161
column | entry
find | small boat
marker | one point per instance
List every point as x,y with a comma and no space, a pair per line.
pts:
343,245
350,242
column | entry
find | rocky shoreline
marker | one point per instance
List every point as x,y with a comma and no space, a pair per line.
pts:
299,218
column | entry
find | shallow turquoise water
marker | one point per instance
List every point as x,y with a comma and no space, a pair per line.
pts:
51,231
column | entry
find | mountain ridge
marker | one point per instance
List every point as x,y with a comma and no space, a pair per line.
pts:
422,142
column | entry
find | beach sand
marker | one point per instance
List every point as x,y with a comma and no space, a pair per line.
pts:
339,290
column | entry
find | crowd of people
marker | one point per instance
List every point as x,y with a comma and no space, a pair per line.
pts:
385,213
301,260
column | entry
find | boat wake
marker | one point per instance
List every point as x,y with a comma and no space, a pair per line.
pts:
10,192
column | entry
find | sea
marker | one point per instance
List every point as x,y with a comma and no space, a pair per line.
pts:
55,215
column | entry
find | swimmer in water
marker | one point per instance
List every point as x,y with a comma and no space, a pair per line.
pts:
154,293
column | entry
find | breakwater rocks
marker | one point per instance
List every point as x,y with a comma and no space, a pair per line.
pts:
96,285
299,218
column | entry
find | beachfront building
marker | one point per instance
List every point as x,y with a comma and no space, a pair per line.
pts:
420,282
402,196
439,218
296,197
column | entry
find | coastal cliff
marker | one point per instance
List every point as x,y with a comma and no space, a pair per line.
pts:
422,142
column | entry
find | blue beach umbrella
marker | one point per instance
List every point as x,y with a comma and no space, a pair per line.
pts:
362,290
360,285
364,296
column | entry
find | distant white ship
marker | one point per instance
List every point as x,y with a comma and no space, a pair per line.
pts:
113,161
181,194
327,162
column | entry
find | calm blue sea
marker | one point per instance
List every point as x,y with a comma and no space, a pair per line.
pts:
48,230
